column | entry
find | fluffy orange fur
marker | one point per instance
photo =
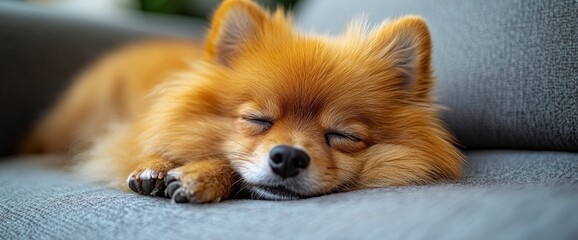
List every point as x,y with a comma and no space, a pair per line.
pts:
169,107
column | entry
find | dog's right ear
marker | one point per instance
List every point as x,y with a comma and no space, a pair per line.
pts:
405,45
235,25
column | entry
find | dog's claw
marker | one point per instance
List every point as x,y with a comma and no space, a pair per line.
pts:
172,187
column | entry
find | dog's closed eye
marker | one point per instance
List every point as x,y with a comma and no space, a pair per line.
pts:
258,124
344,141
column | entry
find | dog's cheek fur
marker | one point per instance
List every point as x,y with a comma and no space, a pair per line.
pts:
344,171
396,165
421,154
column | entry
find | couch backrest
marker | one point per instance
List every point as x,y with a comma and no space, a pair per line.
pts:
507,69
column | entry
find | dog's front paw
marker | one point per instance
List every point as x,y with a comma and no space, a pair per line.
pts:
148,182
195,187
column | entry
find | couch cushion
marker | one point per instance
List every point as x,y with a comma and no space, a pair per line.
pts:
507,69
506,195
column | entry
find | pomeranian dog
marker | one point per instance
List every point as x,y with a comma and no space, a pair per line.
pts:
263,107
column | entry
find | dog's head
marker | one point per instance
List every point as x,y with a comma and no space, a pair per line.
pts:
315,114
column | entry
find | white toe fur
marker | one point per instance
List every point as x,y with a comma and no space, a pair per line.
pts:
145,175
148,174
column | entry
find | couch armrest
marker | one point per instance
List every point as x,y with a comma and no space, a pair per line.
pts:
42,50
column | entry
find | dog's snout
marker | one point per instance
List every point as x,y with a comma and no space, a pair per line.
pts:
287,161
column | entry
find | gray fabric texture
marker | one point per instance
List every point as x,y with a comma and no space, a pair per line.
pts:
507,70
506,195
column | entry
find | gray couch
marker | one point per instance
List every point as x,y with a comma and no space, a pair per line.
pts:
508,71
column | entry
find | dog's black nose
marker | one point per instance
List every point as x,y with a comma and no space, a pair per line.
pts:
287,161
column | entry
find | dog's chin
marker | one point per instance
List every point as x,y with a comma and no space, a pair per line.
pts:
278,193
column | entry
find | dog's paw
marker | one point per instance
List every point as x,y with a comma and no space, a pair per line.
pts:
148,182
193,187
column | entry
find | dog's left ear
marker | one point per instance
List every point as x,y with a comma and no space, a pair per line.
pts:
404,45
235,25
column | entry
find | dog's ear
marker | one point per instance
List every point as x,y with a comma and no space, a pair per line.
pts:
235,25
405,46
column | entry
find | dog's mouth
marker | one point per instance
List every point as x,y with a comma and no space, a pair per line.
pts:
274,193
